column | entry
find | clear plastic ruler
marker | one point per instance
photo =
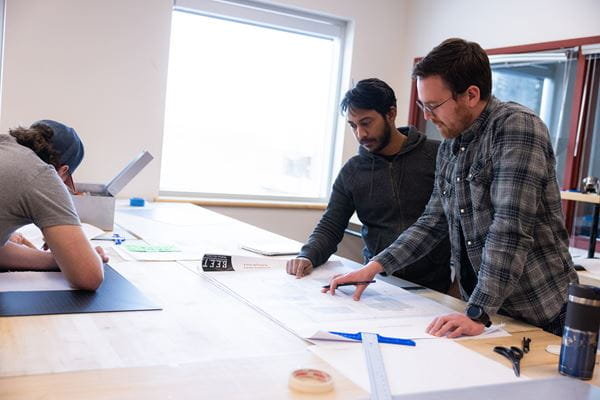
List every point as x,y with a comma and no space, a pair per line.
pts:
380,387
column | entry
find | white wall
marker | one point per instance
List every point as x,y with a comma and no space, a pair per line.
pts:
101,65
97,65
492,24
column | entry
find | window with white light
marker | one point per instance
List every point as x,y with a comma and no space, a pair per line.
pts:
252,102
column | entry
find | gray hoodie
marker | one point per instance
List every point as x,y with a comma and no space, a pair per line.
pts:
388,195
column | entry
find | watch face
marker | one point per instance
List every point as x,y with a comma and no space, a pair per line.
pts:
474,312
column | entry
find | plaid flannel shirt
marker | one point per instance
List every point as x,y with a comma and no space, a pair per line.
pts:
497,182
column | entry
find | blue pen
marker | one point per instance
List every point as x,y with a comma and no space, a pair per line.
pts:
380,339
118,239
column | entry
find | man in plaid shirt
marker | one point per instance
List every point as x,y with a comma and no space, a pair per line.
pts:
496,196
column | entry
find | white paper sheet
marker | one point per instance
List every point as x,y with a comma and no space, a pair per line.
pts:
185,252
410,369
33,280
299,305
272,247
161,256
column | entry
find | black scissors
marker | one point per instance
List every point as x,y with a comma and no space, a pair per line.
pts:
514,354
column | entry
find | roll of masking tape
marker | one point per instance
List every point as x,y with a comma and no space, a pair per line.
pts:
310,381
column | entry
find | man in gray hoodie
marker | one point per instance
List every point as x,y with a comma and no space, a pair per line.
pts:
388,184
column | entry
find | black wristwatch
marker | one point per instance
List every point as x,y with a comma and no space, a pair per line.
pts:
477,314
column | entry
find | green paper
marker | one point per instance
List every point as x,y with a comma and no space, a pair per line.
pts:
146,248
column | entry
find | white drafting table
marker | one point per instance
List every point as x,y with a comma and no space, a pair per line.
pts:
204,344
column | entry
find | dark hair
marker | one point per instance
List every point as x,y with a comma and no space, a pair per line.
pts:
460,64
38,138
369,94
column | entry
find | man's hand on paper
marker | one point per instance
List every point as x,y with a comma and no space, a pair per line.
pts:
455,325
365,274
18,238
299,266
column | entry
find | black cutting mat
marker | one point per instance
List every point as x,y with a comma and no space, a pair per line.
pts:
115,294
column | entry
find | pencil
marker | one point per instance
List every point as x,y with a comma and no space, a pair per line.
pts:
350,284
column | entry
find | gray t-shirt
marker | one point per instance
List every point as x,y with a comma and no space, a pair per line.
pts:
31,191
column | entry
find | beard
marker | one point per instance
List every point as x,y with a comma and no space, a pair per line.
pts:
382,142
462,120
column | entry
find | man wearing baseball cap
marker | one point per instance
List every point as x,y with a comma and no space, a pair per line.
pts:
36,164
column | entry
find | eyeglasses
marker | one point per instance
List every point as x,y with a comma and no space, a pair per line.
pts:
431,110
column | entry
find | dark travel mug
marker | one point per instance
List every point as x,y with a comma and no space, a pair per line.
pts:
580,336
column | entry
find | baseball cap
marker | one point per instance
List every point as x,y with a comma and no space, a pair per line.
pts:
66,142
